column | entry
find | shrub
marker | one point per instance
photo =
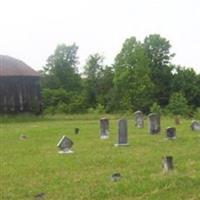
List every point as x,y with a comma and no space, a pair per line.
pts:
178,104
155,108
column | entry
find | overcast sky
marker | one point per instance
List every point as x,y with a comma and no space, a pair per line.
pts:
31,29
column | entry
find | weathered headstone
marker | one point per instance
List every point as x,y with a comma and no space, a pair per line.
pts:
104,128
122,133
195,126
139,121
171,133
177,121
23,137
168,163
65,145
116,177
39,196
76,131
154,123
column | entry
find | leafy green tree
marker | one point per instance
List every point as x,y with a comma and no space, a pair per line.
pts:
61,71
157,49
178,104
92,70
132,81
98,81
187,82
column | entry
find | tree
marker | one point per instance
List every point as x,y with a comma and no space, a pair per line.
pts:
178,104
157,49
131,79
92,70
186,81
61,69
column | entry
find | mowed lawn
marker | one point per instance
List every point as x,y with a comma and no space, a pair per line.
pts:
33,169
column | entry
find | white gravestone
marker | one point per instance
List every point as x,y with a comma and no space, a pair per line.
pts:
195,125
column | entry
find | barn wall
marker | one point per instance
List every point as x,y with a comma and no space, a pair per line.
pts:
20,94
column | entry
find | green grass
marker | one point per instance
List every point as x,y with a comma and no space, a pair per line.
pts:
33,166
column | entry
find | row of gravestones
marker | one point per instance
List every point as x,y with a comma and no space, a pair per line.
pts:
65,144
154,127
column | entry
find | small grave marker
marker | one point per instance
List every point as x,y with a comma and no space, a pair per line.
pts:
168,163
104,128
116,177
139,121
177,121
76,131
23,137
65,145
195,126
171,133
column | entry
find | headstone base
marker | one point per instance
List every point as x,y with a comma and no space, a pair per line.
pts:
121,145
103,137
67,151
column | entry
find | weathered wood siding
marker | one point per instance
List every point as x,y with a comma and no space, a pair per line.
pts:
20,94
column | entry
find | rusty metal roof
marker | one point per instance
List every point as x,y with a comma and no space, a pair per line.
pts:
13,67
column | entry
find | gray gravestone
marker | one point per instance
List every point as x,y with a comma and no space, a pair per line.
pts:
168,163
171,133
65,145
104,128
122,133
154,123
76,131
195,125
116,177
139,121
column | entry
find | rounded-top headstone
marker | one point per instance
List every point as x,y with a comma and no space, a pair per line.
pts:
195,126
122,133
139,121
154,123
104,128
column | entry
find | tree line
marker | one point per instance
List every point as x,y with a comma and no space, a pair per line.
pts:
142,77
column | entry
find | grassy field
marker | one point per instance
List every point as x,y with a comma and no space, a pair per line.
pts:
33,166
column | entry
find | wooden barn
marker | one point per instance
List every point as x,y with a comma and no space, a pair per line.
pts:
19,87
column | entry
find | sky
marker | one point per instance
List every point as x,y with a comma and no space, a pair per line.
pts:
30,30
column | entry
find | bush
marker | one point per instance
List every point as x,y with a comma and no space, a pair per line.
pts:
197,114
60,101
155,108
178,104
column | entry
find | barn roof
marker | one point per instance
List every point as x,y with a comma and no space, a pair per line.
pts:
13,67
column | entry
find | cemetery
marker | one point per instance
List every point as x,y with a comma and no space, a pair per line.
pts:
99,157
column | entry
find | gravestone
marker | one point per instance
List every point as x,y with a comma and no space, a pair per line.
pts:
139,121
76,131
23,137
65,145
171,133
168,163
104,128
195,126
177,121
154,123
39,196
122,133
116,177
